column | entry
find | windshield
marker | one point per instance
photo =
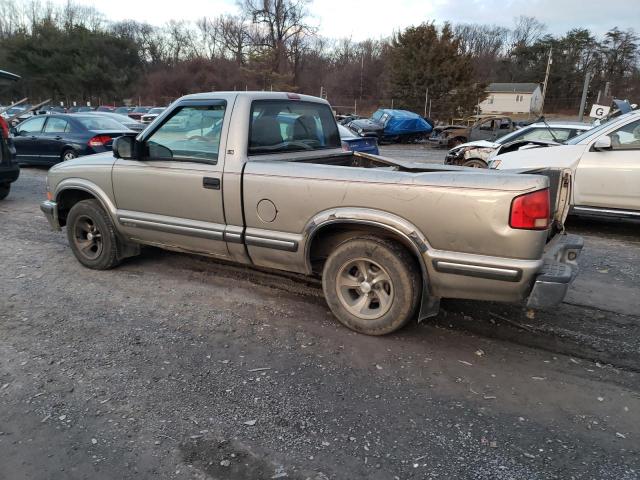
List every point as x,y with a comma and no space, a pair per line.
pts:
98,122
285,125
596,130
140,110
377,115
156,110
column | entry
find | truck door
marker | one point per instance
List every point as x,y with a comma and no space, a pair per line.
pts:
172,194
611,178
483,131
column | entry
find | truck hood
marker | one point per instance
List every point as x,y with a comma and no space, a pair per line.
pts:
562,156
366,124
475,144
102,159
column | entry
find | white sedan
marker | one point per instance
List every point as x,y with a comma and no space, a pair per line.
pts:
604,163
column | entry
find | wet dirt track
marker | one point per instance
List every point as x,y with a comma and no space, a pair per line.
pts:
174,366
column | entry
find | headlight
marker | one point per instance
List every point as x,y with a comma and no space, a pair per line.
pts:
359,130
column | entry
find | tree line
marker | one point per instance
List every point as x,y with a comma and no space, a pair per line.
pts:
73,53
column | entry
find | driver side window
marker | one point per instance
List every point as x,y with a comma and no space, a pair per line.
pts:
627,137
191,134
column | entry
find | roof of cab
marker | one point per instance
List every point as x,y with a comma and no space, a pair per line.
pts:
254,95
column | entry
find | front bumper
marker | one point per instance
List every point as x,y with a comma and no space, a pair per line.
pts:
558,271
50,210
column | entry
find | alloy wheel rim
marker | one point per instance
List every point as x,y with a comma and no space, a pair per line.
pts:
69,156
87,238
365,289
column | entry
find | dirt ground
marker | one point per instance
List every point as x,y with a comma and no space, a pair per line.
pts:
180,367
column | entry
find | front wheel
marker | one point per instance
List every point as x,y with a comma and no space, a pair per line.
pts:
475,163
5,188
372,285
92,236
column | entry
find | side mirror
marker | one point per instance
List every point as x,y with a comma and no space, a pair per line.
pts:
124,147
14,131
603,143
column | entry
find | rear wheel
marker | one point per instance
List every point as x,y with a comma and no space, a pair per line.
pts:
5,188
475,163
92,236
68,154
372,285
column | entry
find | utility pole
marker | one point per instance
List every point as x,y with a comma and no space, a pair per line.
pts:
546,80
585,88
426,101
361,75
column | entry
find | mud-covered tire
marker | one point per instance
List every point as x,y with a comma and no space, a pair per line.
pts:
86,223
475,163
390,272
5,188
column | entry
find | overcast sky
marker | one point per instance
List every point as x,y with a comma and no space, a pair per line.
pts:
362,19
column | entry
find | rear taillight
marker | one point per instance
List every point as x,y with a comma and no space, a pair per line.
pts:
4,128
345,147
531,211
99,141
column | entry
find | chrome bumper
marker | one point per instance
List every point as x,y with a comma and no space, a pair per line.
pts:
50,210
559,270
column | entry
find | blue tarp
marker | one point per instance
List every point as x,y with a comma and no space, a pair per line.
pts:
399,122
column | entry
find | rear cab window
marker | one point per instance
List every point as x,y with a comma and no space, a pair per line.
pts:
290,126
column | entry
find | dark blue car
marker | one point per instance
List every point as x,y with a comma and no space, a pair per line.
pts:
49,139
351,141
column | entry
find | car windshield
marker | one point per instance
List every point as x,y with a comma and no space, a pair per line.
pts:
140,110
377,115
156,110
99,122
596,130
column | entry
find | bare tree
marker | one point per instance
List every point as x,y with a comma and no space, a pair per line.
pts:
283,24
526,31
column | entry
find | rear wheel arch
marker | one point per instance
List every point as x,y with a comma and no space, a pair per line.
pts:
329,235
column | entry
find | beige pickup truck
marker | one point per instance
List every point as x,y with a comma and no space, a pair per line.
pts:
261,179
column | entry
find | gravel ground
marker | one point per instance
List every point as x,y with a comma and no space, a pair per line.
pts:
174,366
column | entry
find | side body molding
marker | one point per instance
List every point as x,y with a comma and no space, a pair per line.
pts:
413,238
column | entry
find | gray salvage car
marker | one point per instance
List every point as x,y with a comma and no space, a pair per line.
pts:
261,179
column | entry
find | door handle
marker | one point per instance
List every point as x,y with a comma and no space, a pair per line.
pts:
57,137
211,183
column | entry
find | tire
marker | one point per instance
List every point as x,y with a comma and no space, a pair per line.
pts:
5,188
475,163
91,235
68,154
371,285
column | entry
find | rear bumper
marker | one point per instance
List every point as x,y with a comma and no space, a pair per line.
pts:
50,210
558,271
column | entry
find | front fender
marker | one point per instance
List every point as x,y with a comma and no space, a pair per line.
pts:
88,187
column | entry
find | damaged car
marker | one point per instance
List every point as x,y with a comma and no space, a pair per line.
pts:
478,153
487,128
389,125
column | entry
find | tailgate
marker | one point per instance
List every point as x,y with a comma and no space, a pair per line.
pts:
559,193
